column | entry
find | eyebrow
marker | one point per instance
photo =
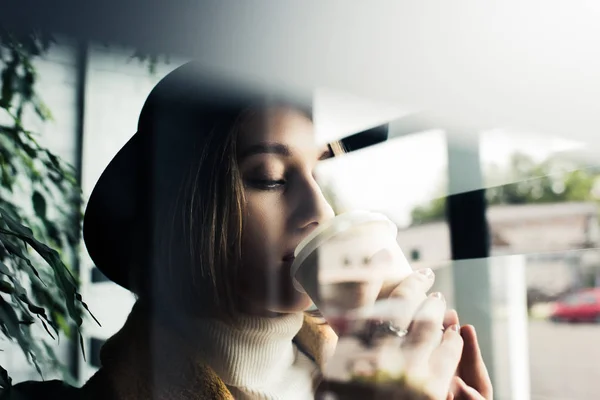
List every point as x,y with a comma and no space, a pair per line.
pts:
266,148
276,148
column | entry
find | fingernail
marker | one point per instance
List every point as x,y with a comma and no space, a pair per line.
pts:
455,327
456,315
426,272
438,295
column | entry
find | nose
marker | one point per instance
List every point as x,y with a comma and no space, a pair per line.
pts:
312,207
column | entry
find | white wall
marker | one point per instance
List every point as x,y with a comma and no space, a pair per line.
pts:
116,89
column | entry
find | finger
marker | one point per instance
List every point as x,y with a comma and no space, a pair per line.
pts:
419,281
412,292
454,388
451,318
424,333
466,392
445,359
472,368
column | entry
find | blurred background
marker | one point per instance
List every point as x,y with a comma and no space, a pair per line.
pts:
488,163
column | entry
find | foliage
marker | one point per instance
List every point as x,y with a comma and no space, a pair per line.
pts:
434,211
551,181
39,213
150,59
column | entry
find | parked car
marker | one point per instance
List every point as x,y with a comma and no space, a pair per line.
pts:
583,306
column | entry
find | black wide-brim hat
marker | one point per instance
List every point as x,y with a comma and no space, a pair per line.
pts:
158,151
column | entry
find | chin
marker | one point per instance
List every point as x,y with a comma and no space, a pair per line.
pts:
300,303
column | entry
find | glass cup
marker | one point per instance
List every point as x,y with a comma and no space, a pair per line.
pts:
344,264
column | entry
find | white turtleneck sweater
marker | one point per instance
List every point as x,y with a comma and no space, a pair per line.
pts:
257,359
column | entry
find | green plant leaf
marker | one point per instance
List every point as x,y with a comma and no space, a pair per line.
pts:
46,328
4,269
7,77
62,324
88,310
39,204
64,278
52,296
6,287
36,365
10,320
27,321
82,346
30,151
42,110
15,250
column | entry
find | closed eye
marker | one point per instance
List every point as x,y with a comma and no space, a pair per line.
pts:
266,184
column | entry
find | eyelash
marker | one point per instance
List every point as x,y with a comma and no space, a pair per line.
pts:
266,184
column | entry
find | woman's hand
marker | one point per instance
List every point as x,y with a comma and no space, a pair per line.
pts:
430,356
418,365
472,381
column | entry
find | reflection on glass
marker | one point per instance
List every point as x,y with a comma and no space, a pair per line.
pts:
393,177
543,206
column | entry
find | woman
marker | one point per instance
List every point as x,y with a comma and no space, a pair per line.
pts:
199,215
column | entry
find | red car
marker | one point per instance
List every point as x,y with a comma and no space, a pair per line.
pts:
583,306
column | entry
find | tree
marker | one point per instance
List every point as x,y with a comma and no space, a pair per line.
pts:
434,211
551,181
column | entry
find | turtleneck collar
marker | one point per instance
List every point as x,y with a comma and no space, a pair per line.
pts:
255,351
254,356
154,358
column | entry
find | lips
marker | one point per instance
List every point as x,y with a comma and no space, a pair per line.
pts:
288,258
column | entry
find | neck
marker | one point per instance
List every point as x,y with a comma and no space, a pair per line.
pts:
248,308
163,308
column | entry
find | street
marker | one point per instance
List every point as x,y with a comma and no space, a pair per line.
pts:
564,361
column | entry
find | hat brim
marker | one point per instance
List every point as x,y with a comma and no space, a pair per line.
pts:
110,226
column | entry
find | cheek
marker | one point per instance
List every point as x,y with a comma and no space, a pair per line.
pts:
261,237
264,277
